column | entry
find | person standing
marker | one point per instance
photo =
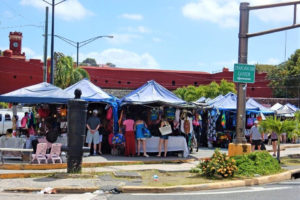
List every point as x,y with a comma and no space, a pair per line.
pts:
139,126
274,139
129,137
255,136
163,138
93,125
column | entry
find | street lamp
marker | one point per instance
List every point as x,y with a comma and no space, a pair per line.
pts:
53,4
81,44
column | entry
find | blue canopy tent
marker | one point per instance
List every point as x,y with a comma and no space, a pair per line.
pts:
39,93
152,92
93,93
201,100
252,103
229,102
212,101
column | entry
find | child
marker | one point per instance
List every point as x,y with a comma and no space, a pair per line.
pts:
118,143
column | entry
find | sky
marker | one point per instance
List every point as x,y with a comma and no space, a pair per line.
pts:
193,35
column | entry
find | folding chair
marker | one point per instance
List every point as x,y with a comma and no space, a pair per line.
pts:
55,153
40,153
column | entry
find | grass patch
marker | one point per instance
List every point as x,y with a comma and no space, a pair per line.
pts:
290,161
261,163
173,178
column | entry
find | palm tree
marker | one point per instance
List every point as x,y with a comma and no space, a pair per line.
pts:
277,126
67,74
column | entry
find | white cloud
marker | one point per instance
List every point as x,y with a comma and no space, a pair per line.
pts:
223,13
273,61
123,58
139,29
226,13
137,17
29,53
68,10
122,38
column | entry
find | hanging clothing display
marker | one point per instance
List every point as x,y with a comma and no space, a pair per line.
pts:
223,120
211,131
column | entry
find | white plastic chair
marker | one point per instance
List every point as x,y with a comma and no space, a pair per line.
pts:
55,153
40,153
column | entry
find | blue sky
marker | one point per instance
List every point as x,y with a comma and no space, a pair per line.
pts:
197,35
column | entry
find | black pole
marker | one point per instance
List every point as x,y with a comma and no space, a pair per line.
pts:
77,112
243,56
77,63
52,46
46,45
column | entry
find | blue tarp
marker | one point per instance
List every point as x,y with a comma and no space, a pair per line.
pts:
201,100
151,92
229,102
252,103
90,92
212,101
93,93
39,93
294,108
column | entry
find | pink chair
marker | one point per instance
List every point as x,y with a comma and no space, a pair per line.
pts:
40,153
55,153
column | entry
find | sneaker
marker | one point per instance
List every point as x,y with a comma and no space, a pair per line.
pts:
95,153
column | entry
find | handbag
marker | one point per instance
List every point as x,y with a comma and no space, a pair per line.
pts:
165,130
146,133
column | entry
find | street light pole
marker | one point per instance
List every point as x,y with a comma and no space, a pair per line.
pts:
53,4
81,44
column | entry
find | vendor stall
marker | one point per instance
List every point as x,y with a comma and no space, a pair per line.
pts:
105,104
150,102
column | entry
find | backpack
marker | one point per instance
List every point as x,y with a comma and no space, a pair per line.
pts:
186,126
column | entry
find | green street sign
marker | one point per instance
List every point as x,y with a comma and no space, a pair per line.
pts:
244,73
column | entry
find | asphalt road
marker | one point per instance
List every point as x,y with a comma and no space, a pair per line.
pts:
288,190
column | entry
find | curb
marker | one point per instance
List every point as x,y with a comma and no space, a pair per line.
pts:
210,186
181,188
87,165
64,190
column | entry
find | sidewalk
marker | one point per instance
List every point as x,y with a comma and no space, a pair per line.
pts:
109,182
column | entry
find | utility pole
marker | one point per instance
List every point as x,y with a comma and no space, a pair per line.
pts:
53,4
46,45
243,56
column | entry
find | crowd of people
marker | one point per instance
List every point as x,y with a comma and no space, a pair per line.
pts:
136,127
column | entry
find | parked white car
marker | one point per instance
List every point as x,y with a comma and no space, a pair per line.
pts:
6,116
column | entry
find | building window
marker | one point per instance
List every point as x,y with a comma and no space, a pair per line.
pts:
128,82
195,83
106,81
173,83
14,76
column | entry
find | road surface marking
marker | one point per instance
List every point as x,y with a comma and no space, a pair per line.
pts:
85,196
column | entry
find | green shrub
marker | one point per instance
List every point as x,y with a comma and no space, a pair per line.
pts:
261,163
219,164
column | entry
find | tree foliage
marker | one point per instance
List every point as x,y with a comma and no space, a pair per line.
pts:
275,125
285,78
192,93
89,62
67,74
264,68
